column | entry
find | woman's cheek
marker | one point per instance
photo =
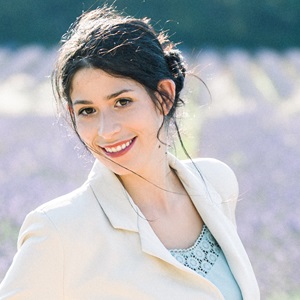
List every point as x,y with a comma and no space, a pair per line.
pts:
85,131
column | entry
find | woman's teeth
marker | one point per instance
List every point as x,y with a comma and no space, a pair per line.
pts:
118,148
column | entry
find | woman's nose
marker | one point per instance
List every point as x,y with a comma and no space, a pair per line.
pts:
108,126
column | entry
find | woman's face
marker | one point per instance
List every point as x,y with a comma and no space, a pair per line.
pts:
117,119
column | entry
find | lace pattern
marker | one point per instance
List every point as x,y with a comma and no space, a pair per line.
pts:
202,255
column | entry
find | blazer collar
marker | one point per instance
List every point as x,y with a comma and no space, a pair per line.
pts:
117,204
124,214
113,198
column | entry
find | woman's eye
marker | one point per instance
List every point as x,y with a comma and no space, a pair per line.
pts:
122,102
86,111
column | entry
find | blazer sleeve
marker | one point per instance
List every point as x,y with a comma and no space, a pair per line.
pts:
37,268
223,180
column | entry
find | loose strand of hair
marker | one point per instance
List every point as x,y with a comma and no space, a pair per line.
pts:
92,149
190,158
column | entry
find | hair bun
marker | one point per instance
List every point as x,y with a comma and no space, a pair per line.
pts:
176,66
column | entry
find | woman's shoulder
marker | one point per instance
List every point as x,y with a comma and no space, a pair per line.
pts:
66,200
218,174
66,208
69,216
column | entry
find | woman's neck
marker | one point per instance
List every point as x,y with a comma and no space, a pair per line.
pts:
154,193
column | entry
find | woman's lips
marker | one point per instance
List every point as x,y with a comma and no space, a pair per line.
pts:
119,149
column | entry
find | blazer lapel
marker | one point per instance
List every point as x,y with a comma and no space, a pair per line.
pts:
207,201
153,246
123,213
113,198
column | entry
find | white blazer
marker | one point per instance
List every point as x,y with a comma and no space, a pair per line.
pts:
95,244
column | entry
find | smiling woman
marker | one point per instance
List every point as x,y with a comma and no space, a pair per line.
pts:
144,225
118,121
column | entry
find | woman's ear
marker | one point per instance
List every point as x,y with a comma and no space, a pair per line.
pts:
166,88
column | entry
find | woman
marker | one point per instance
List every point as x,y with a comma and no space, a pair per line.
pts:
144,225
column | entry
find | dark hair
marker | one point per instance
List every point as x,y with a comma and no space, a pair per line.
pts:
121,46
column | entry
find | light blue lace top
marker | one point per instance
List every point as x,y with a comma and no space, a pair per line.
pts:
207,259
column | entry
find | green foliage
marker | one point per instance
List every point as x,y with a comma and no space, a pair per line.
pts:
290,296
8,231
202,23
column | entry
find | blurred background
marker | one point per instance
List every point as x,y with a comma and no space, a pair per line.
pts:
247,52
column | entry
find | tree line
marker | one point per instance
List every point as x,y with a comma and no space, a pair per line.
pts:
195,23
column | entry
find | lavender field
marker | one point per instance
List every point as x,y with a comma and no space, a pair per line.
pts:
252,124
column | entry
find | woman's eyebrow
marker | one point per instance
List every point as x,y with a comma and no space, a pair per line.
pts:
111,96
114,95
82,102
